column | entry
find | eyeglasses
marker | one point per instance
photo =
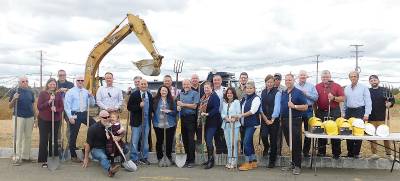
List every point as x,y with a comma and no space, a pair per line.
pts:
106,117
80,80
61,75
24,81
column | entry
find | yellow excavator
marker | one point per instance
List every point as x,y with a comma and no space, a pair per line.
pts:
150,67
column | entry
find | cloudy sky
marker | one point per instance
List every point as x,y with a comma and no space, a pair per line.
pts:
257,36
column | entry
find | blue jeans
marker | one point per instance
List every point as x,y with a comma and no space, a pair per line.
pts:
228,139
136,134
100,154
210,134
248,144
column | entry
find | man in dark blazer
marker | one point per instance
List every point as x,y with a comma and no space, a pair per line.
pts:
140,106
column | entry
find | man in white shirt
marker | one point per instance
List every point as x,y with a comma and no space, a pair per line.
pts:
108,97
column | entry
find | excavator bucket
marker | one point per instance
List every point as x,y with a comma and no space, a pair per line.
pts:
148,67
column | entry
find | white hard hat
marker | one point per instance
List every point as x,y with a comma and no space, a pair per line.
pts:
129,165
370,129
382,130
359,123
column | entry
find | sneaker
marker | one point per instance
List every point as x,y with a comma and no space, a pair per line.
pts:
254,164
390,157
137,162
287,168
245,167
228,165
357,156
16,161
190,165
145,162
296,171
374,157
112,170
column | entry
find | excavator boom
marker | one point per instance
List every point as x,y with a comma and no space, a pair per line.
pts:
149,67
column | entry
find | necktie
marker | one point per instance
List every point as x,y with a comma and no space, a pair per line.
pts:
81,103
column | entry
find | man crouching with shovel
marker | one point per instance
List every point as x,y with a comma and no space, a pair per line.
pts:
96,143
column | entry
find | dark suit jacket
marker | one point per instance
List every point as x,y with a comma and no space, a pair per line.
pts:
135,109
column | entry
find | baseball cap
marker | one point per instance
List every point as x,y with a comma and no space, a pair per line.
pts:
278,76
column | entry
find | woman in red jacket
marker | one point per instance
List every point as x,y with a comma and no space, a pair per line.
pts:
45,106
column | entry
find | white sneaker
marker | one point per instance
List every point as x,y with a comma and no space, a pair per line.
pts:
374,157
390,157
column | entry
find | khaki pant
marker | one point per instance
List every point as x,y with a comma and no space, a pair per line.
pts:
24,136
373,143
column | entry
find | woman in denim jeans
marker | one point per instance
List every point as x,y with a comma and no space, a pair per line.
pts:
230,116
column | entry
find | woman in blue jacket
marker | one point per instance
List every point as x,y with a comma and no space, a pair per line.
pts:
230,115
210,109
164,118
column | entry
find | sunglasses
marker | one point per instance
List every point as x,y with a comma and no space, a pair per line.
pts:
106,117
80,80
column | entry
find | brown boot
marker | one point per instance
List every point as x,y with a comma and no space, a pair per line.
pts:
112,170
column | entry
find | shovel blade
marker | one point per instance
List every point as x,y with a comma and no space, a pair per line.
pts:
53,163
148,67
180,160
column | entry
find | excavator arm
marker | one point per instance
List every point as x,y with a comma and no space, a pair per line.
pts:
149,67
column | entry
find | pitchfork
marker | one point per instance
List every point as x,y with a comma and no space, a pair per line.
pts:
177,70
388,94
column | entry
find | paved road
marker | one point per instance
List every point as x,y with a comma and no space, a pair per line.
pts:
72,171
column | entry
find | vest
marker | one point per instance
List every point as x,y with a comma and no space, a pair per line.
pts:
252,120
268,101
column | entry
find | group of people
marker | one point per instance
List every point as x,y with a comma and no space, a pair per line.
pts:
222,114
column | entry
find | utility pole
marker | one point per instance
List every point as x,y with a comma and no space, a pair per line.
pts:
318,61
41,68
358,69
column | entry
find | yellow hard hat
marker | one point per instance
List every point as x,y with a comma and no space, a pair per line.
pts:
331,127
315,125
358,131
345,128
340,120
351,120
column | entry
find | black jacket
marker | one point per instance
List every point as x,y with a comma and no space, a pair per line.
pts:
136,111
